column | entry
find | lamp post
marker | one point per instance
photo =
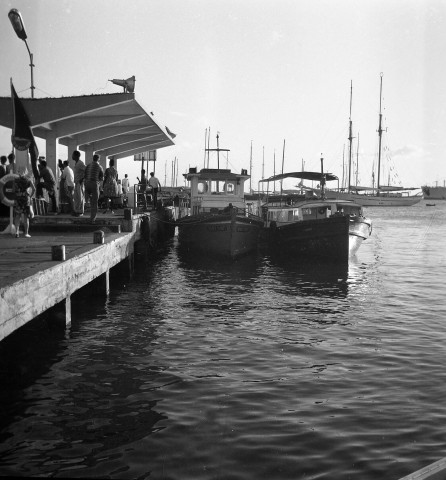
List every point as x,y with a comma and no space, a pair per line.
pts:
19,28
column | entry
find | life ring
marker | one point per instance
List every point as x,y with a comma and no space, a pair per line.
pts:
321,211
7,196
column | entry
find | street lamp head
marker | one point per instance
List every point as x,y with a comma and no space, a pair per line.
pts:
17,23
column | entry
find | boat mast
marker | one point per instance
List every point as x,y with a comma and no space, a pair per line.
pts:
322,179
250,170
274,172
263,165
343,167
283,161
218,152
350,138
205,147
380,132
357,160
209,139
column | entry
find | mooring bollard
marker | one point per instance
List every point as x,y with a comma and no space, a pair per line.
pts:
98,236
58,252
128,213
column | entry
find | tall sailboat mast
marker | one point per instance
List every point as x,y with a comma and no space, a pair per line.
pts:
350,138
250,170
357,160
274,171
283,161
218,151
380,132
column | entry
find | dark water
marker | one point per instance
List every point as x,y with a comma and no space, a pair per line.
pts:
258,369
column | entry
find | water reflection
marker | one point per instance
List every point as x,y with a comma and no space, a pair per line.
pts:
309,279
26,355
79,399
244,267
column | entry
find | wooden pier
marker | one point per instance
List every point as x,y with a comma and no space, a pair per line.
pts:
434,471
63,255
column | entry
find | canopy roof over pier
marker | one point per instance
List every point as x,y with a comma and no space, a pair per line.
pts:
111,125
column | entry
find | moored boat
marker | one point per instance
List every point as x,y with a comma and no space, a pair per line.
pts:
369,197
434,193
314,227
219,222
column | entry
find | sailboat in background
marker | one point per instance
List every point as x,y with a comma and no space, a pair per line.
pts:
381,196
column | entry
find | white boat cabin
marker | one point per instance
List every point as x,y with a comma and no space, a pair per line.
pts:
214,190
283,214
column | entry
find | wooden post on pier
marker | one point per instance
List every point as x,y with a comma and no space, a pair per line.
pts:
107,282
59,314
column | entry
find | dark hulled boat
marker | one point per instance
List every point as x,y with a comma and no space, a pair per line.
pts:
219,222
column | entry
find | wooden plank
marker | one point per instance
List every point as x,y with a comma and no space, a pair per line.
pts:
434,471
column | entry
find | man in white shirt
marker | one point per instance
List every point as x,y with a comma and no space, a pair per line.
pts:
155,185
68,176
125,185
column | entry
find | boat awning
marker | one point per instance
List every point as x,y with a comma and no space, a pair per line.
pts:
215,174
316,176
108,124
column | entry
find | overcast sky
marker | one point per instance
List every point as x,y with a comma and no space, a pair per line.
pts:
254,70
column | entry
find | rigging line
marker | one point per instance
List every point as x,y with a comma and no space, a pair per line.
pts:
46,93
24,90
102,88
426,231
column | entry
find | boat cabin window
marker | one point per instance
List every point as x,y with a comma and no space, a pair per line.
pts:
230,188
222,187
218,186
349,210
309,213
202,187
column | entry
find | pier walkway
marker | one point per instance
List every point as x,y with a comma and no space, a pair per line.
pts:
33,279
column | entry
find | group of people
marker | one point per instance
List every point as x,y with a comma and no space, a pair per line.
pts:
23,191
144,184
89,180
77,184
7,164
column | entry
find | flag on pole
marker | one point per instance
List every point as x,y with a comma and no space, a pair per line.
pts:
22,137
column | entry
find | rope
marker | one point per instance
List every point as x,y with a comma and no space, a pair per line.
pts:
423,238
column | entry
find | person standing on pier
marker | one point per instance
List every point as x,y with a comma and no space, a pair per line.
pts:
125,190
125,185
79,196
48,183
22,203
10,168
68,177
155,185
110,186
93,178
142,188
